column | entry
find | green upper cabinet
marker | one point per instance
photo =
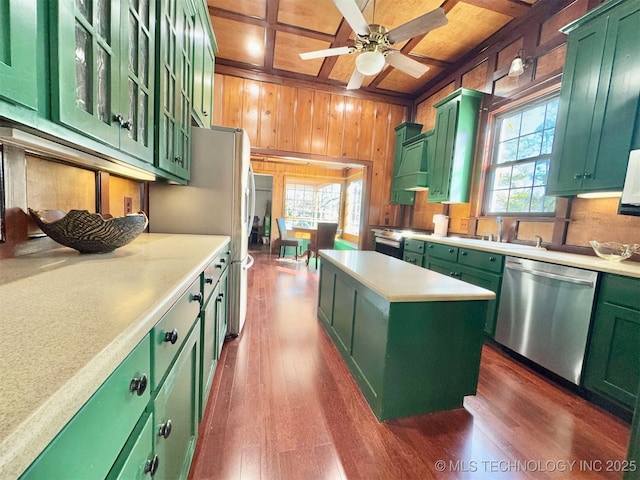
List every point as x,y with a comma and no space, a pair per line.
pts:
102,61
451,164
18,52
598,101
404,131
205,49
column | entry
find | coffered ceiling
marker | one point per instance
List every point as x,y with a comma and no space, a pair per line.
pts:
266,36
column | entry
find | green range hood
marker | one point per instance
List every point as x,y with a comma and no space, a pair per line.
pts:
412,173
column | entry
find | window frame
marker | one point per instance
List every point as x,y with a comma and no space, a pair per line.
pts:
316,185
490,166
349,203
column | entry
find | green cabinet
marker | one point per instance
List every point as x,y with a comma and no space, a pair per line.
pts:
451,164
613,360
598,110
483,269
137,460
222,301
102,72
18,52
175,87
412,174
413,251
404,132
205,49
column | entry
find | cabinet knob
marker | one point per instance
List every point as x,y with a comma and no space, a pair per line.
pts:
492,259
463,253
220,296
587,175
171,336
165,429
451,250
196,297
126,124
205,113
138,385
578,176
209,280
151,467
430,246
222,260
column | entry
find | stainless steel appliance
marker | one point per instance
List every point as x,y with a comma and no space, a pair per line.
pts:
389,242
219,200
630,200
544,314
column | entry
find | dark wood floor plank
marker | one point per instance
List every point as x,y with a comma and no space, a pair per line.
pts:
284,406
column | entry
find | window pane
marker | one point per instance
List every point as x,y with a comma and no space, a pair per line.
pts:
499,201
507,151
529,146
533,120
519,200
547,142
552,113
502,178
510,127
542,171
522,175
537,199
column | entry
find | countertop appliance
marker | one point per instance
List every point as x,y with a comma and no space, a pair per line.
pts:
544,314
630,200
389,242
219,200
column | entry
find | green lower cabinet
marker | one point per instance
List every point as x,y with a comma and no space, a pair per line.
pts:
175,412
633,452
325,299
103,424
613,358
414,251
137,459
221,312
414,258
408,358
208,348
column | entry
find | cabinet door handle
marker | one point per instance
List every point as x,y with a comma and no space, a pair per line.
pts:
165,429
218,265
196,297
220,296
463,253
151,467
171,336
138,385
209,280
222,260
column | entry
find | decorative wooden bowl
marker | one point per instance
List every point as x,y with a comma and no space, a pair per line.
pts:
90,232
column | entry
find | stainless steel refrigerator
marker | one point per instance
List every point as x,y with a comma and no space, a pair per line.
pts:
219,200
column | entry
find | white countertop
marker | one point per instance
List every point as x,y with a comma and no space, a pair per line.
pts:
630,269
70,319
399,281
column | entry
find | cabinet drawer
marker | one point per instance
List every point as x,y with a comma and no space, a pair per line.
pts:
478,259
619,290
137,455
212,274
171,331
102,425
412,245
446,252
414,258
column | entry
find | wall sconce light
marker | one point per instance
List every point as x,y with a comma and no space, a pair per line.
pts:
518,64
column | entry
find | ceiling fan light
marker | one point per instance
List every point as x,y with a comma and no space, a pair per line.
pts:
370,63
517,67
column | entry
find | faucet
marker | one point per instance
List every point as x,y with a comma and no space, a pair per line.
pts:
499,221
538,241
490,236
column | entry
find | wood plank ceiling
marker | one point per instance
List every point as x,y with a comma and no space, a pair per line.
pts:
264,37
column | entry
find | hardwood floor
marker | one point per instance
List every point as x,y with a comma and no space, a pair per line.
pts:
284,406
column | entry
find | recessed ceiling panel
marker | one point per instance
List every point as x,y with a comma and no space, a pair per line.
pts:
392,13
398,81
251,8
317,15
286,51
468,26
237,41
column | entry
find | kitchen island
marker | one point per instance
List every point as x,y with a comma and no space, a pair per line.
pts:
412,338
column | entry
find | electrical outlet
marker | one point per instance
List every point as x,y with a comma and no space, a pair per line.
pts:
464,224
128,205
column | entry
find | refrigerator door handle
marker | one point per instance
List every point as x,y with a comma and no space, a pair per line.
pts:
251,200
249,262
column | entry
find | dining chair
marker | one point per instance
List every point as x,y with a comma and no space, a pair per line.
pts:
325,237
286,240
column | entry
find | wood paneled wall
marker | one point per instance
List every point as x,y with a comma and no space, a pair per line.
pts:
293,121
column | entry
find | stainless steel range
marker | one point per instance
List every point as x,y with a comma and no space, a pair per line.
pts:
389,242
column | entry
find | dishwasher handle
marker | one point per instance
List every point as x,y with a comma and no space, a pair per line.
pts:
554,276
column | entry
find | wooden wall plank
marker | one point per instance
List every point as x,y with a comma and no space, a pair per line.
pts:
218,98
320,122
379,209
303,124
268,117
352,125
251,109
232,104
286,118
365,139
336,126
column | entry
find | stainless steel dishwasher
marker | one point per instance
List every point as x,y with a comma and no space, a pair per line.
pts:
544,314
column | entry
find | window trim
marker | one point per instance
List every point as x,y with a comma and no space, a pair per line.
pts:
316,184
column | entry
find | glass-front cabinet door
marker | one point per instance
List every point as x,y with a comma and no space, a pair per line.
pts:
102,71
18,52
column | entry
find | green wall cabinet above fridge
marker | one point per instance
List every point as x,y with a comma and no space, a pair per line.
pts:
404,132
451,165
102,64
598,112
18,53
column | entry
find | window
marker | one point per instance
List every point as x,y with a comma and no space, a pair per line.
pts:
307,203
517,176
354,203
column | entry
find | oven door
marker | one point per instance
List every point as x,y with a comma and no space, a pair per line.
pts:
389,246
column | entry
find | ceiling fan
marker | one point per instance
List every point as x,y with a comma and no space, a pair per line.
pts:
374,42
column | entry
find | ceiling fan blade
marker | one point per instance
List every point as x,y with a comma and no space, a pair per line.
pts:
406,64
329,52
353,16
418,26
355,81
